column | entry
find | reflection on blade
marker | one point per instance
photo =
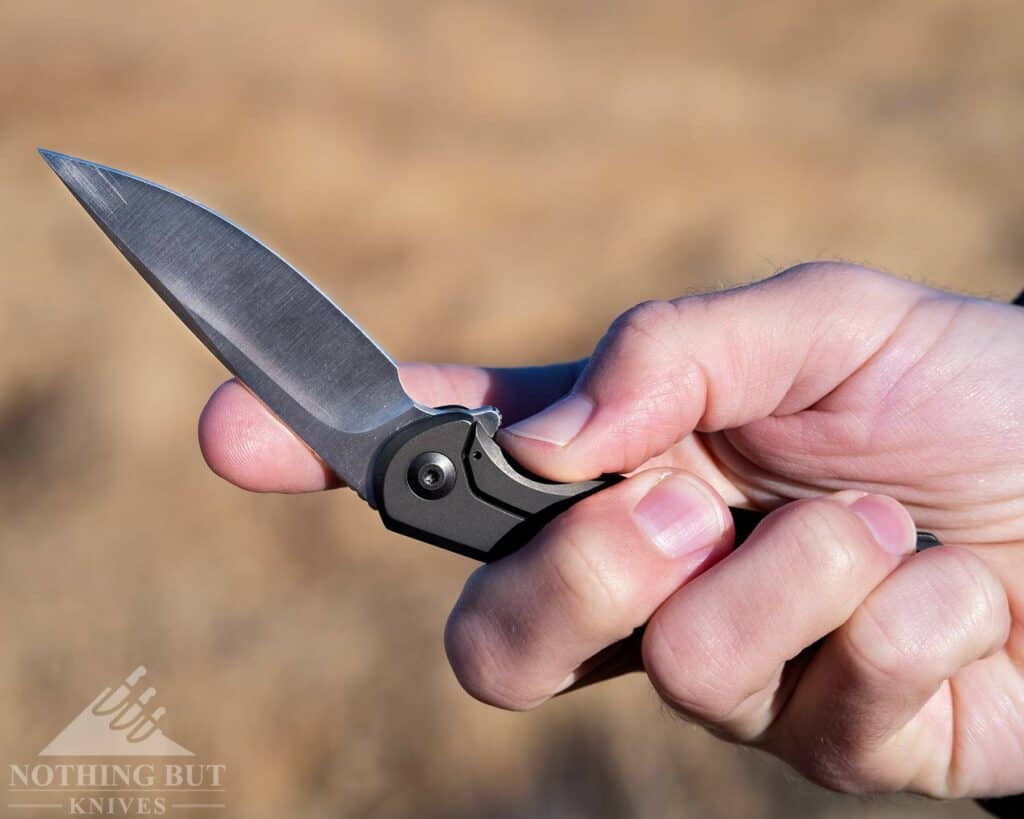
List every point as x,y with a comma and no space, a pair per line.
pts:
311,364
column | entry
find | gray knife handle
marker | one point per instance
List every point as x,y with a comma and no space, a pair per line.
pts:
445,480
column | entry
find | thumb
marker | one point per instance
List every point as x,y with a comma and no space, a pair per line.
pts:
712,362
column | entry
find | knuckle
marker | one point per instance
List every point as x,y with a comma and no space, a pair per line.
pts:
952,612
824,536
474,648
686,670
596,590
836,282
649,320
645,373
832,273
976,598
643,332
882,649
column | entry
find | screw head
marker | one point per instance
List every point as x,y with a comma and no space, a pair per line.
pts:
431,475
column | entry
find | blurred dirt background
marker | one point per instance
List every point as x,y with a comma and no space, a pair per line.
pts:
477,182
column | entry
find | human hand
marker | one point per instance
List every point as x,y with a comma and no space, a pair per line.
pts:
822,640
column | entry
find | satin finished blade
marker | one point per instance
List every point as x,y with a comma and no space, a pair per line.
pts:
290,344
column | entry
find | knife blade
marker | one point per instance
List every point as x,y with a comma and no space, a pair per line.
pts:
289,343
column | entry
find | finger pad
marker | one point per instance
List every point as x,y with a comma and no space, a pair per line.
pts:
244,443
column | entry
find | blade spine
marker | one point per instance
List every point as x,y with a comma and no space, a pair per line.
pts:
216,214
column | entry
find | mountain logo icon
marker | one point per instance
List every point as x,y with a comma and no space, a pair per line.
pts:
119,722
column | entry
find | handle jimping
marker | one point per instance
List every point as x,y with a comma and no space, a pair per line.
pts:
445,481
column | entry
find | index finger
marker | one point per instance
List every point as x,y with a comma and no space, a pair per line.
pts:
246,444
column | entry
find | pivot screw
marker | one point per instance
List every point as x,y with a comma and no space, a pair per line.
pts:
431,475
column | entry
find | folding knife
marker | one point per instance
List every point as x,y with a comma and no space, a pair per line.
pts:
435,474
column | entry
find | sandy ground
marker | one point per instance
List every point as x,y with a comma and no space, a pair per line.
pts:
474,182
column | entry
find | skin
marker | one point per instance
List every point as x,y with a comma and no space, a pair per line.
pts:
854,404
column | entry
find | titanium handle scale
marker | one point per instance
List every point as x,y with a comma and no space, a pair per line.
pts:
445,480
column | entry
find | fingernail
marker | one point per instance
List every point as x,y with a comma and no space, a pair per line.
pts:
889,523
679,516
568,681
559,423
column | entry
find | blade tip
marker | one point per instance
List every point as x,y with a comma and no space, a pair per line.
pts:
55,159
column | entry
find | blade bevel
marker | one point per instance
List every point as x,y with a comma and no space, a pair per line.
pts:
269,325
